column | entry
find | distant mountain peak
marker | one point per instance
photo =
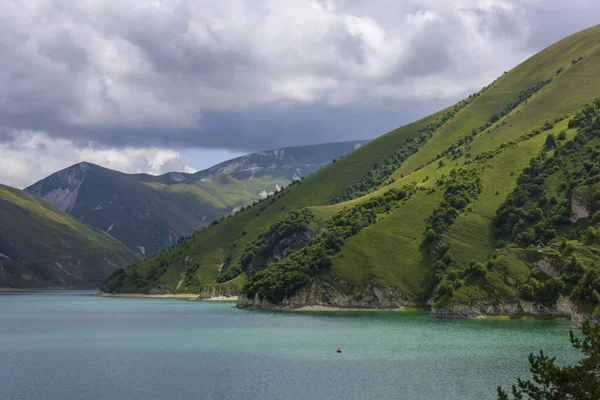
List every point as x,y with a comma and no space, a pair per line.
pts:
84,165
62,188
176,177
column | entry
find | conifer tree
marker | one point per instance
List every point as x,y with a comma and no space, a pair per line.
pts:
573,382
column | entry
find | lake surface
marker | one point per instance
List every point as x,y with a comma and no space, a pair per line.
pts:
69,345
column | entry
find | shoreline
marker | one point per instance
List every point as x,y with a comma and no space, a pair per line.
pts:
325,308
184,296
491,317
432,315
504,317
538,317
340,309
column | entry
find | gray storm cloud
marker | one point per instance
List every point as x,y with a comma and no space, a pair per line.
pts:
247,75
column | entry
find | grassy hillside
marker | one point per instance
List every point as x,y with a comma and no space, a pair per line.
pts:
440,243
41,246
214,245
150,213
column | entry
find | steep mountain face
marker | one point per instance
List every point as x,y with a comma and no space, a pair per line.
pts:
489,206
150,213
291,163
41,246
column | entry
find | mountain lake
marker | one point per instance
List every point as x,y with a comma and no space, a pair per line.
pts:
71,345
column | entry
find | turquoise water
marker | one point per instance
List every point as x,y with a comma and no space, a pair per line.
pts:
69,345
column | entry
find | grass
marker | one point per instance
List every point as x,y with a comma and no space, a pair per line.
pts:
389,253
471,233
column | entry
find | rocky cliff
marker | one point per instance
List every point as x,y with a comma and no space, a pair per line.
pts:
564,307
326,295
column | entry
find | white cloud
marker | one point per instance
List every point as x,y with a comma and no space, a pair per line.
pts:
137,76
139,64
32,156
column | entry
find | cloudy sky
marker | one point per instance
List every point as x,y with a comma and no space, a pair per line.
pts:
154,86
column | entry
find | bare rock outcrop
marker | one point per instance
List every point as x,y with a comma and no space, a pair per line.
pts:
548,265
209,291
564,307
324,294
579,208
160,288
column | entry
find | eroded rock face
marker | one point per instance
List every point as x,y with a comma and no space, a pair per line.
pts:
62,188
288,245
548,265
206,292
374,297
323,294
577,319
160,288
579,208
563,307
438,246
281,250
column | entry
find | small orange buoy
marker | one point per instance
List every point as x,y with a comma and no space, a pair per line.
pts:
338,350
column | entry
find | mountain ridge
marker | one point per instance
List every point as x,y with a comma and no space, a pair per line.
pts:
150,213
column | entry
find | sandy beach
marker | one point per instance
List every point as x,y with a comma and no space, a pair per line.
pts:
186,296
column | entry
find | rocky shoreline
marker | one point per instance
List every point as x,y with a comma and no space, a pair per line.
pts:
563,307
476,310
324,297
453,311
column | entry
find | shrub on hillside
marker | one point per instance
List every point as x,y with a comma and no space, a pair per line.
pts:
550,141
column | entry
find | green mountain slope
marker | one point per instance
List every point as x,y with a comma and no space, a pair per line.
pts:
41,246
150,213
411,218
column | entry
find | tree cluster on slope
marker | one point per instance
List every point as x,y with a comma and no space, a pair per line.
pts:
258,250
532,213
538,211
463,186
283,278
